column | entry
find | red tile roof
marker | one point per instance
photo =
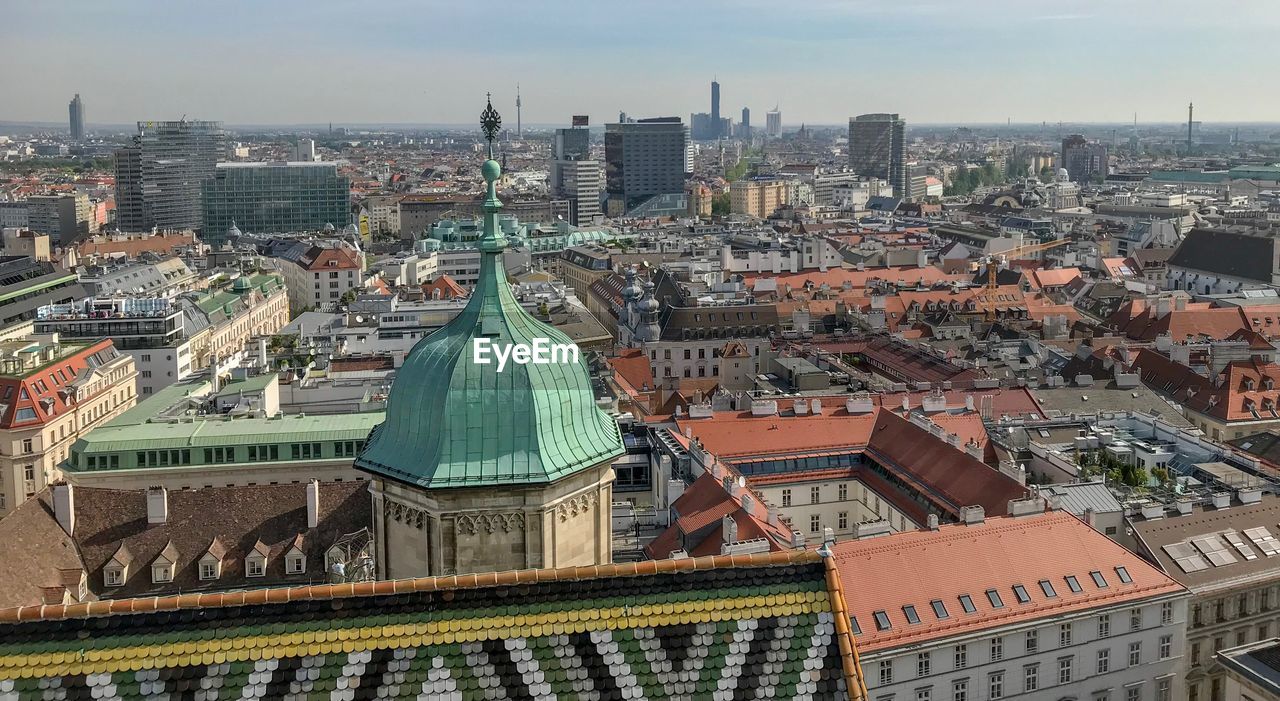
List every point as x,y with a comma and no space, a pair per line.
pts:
1243,391
917,567
1140,322
446,286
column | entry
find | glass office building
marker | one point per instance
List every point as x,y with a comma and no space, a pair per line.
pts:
274,198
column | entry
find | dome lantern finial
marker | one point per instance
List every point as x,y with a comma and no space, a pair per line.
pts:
490,122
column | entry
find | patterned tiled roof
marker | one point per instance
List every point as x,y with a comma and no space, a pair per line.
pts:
727,627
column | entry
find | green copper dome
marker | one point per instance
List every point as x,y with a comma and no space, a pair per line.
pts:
454,422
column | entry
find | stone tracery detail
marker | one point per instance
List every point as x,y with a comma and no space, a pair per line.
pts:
471,524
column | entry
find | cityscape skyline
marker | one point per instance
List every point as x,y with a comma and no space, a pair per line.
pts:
238,78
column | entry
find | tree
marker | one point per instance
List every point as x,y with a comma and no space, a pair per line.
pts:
738,170
720,204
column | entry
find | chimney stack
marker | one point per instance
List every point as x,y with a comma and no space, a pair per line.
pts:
157,505
729,528
313,503
64,507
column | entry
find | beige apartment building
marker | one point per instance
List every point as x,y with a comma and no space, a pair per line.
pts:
53,393
757,198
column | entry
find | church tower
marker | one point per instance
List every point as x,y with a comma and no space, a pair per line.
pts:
481,467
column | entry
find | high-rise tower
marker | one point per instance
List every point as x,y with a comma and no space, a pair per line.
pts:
715,108
75,110
519,124
877,148
1191,108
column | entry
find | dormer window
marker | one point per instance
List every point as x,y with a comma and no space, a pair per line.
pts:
1248,384
208,570
113,576
255,565
295,563
161,573
1268,383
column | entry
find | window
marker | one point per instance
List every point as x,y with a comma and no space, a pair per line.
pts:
1123,574
886,672
910,612
960,690
1073,584
786,497
994,597
1064,635
161,573
1162,690
1195,653
1133,693
113,576
842,492
939,609
815,523
1031,677
995,685
1264,631
208,570
966,603
815,495
295,563
842,520
924,693
1047,587
1135,653
1098,580
1166,613
1020,592
1032,641
1166,647
1104,661
924,664
255,567
1135,620
1064,670
997,649
882,620
962,656
27,445
1104,625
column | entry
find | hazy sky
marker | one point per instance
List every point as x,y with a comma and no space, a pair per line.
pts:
315,61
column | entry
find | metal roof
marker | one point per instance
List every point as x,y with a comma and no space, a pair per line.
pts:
1082,496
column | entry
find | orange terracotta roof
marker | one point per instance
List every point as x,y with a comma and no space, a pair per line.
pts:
915,568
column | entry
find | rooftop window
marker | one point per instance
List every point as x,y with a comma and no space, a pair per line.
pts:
1047,587
966,603
1098,579
1123,574
994,597
882,620
939,609
1073,583
1021,592
910,612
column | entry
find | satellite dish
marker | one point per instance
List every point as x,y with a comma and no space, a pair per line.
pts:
359,319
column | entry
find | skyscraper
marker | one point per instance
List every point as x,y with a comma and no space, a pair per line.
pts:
715,109
75,110
643,159
1084,160
773,122
158,179
746,123
574,176
878,149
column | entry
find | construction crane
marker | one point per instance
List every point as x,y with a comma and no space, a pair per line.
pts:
993,261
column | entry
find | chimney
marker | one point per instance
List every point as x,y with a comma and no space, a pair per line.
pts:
971,515
968,402
1222,500
828,538
1091,518
729,528
157,505
313,503
262,352
797,539
933,522
1184,507
64,507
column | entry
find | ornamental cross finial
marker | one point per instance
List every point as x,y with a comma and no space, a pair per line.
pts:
490,121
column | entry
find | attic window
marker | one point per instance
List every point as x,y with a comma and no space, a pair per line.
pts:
853,623
255,566
1021,592
295,563
208,570
1073,583
1123,574
994,597
939,609
1047,587
910,613
966,603
161,573
113,576
882,620
1098,579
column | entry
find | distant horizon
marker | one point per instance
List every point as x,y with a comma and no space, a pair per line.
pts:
297,62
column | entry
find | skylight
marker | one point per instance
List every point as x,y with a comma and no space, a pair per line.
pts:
857,629
910,612
1098,579
939,609
966,603
1123,574
994,597
1047,587
1021,592
882,620
1073,583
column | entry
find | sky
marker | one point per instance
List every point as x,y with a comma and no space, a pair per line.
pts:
820,61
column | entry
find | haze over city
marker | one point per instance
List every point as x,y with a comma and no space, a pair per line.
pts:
424,62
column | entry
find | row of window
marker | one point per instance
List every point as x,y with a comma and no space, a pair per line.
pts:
815,494
996,600
997,689
255,565
227,454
